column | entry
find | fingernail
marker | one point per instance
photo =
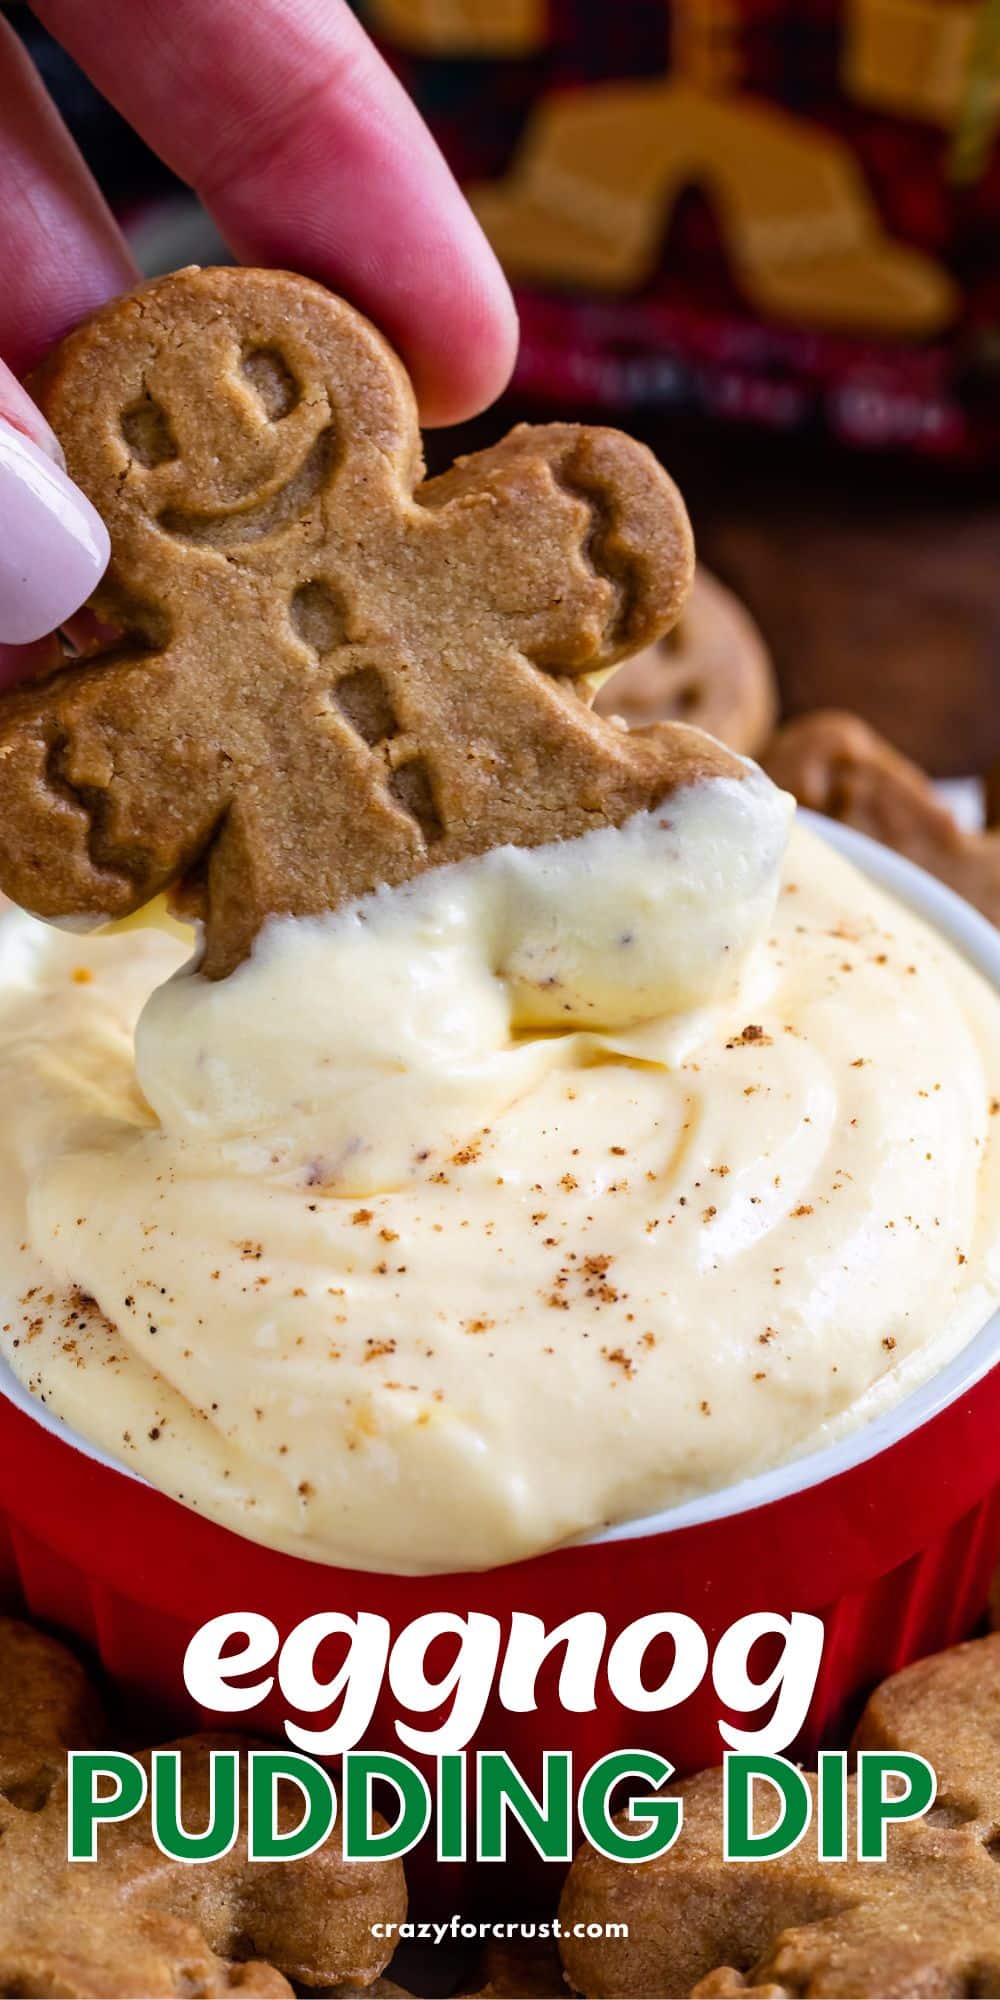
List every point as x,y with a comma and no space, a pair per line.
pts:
53,544
26,417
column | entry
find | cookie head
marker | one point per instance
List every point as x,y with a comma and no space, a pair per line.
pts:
327,673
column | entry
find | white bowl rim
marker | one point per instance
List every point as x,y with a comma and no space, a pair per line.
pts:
978,941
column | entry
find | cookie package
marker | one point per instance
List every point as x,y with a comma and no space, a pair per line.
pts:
779,219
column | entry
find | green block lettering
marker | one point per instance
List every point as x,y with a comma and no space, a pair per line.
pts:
87,1809
223,1809
502,1792
740,1841
451,1808
833,1805
267,1839
658,1820
875,1810
361,1841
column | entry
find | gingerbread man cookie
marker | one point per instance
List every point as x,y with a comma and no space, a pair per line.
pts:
712,670
834,763
138,1921
925,1921
330,674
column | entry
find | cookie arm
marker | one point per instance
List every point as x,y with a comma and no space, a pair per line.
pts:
578,538
109,790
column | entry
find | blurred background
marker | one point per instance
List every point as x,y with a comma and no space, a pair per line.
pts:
766,237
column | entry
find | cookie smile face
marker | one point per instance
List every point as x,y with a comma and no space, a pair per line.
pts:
331,676
279,486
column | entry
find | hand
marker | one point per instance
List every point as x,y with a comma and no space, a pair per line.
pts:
307,153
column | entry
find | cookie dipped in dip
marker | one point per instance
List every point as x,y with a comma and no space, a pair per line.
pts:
574,1183
531,1136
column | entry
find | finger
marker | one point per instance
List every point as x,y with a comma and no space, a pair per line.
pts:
309,154
53,546
62,252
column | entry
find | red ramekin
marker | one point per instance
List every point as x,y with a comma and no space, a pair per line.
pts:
890,1535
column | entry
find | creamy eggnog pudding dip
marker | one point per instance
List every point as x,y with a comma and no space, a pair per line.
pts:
539,1193
535,1131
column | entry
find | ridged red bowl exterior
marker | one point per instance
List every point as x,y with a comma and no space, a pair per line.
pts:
895,1554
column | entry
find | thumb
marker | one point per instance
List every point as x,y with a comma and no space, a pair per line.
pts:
53,545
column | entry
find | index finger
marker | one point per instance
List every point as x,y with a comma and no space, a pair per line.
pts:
309,154
62,252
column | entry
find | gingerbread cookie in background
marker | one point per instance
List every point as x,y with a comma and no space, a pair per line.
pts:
139,1922
927,1920
308,638
463,27
835,764
711,670
880,598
